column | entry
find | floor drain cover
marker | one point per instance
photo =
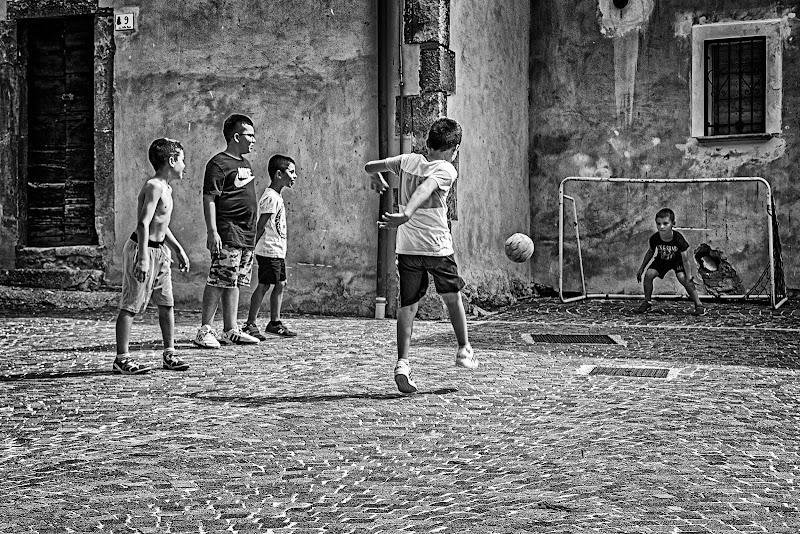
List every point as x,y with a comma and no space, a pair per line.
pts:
573,338
644,372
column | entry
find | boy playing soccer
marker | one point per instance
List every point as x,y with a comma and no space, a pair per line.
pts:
271,250
424,243
146,259
670,249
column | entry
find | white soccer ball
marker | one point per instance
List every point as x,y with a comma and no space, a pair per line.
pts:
519,248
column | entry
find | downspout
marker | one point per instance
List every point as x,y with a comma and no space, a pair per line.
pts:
385,238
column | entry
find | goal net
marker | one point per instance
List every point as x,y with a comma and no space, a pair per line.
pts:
730,224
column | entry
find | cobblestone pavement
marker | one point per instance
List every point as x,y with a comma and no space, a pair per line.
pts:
310,435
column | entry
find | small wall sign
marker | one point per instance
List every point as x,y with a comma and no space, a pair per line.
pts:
124,21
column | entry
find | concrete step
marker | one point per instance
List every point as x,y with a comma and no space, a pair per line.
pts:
58,278
72,257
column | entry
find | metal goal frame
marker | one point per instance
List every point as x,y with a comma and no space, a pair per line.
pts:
775,300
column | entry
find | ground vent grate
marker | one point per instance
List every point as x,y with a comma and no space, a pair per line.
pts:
643,372
573,338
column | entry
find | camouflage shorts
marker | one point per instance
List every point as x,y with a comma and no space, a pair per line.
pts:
231,268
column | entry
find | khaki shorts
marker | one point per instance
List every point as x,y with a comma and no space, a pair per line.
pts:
157,284
231,268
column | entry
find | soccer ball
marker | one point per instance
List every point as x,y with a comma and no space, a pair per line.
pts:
519,248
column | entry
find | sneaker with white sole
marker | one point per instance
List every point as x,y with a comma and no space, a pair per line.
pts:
465,357
235,336
127,366
402,377
278,329
252,329
206,338
173,362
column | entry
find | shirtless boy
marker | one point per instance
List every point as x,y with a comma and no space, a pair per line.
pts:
146,260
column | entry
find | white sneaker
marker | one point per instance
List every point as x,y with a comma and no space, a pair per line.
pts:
465,358
205,338
402,376
235,336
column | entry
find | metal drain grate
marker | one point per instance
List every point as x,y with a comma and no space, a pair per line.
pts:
574,338
643,372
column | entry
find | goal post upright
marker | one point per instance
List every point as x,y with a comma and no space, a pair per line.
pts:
585,295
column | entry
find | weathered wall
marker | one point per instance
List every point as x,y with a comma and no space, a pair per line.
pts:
9,141
611,97
490,41
305,72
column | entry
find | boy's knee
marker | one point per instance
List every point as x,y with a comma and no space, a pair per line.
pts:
451,298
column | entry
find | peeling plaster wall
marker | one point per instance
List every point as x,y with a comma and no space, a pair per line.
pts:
305,72
490,40
579,128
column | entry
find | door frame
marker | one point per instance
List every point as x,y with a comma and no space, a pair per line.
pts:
104,49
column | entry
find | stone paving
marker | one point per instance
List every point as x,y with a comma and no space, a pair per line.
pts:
310,435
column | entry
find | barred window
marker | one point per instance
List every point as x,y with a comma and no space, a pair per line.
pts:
735,86
737,81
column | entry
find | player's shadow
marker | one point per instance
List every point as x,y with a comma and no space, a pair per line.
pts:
52,375
307,399
156,344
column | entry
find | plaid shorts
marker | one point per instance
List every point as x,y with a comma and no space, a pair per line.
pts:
232,267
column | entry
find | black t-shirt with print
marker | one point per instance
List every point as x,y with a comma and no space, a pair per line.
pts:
668,252
231,180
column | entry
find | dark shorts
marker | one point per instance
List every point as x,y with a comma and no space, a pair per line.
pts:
271,270
663,268
414,276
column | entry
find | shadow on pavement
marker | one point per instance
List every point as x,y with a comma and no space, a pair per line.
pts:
155,344
51,375
267,401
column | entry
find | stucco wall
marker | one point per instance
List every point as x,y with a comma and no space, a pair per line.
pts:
305,72
611,96
490,41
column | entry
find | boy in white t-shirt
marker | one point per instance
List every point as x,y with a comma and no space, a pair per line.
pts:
424,244
270,249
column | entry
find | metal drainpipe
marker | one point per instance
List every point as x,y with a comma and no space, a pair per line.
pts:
385,253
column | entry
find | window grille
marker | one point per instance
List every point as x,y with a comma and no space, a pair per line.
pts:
735,86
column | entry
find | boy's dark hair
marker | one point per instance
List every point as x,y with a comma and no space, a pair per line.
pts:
161,150
233,123
444,134
278,163
666,212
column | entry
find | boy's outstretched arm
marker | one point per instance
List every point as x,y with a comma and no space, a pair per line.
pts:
420,195
647,257
377,182
183,259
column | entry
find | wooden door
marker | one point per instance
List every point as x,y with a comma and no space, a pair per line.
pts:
60,171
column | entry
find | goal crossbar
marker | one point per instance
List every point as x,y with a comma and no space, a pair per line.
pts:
774,300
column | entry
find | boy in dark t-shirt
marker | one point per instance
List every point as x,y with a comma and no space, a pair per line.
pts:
669,251
230,207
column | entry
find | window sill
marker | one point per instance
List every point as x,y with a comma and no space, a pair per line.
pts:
745,138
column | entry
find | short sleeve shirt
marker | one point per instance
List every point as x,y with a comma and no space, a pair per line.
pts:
427,232
231,181
669,252
273,242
